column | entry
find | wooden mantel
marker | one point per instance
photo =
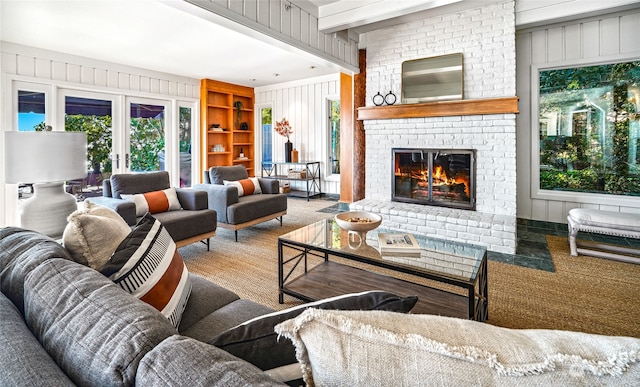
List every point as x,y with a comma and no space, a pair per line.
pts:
465,107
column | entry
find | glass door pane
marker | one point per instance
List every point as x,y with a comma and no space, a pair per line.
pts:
185,145
146,138
94,117
31,110
267,136
334,133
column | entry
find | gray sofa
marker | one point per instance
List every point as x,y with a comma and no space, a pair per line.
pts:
196,222
236,212
62,324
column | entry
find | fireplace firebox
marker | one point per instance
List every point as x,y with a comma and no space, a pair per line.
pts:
437,177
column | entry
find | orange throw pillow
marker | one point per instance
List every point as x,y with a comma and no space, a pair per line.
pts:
250,186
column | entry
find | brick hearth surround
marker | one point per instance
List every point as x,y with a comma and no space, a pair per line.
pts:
486,37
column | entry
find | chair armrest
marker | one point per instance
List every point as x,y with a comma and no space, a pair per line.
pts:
219,198
125,208
269,186
191,199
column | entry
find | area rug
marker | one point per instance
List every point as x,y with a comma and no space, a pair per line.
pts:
584,293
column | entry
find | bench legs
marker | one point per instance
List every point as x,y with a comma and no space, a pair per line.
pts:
617,253
573,234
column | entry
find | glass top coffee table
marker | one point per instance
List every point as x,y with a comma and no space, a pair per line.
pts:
449,278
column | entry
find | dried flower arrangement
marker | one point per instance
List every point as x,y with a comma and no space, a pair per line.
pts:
283,128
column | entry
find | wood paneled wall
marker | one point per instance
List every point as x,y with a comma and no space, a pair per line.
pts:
305,105
590,40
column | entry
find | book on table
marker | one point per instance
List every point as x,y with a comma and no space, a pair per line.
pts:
398,244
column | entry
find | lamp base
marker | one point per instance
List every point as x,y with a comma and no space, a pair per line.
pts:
47,210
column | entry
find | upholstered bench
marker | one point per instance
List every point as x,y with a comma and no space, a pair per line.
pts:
608,223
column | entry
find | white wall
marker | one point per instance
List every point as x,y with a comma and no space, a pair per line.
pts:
588,40
29,64
304,104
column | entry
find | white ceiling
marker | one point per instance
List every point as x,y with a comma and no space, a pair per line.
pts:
169,36
176,37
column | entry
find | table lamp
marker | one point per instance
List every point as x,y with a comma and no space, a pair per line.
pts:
46,159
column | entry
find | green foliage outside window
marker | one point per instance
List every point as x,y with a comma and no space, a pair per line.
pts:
590,129
147,141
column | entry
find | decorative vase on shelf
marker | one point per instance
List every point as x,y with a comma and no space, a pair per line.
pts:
294,155
288,147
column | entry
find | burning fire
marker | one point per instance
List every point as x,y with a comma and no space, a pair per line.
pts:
440,178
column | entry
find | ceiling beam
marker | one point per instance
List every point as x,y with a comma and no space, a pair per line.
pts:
343,15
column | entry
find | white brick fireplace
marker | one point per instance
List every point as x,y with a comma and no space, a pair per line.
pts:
486,37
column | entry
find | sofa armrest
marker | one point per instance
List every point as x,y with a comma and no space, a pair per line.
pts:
191,199
269,186
125,208
219,198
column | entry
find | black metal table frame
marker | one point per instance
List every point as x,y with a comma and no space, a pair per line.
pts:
312,180
478,301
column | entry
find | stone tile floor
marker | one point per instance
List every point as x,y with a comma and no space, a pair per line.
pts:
532,250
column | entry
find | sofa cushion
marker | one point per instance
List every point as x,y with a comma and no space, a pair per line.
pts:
154,201
23,361
186,224
21,251
224,318
206,297
246,187
383,348
94,233
180,360
93,330
252,207
135,183
217,175
147,265
256,341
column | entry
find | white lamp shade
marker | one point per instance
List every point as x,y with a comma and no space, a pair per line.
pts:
39,157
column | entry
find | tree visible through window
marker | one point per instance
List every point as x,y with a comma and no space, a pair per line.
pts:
334,136
590,129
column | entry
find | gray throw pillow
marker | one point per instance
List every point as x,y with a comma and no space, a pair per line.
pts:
96,333
181,361
21,251
23,361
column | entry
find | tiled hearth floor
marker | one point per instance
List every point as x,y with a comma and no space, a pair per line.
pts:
532,251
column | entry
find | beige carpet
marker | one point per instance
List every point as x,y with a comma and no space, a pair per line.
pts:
584,294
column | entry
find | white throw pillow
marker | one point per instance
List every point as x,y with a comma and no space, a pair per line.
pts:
155,201
249,186
94,233
379,348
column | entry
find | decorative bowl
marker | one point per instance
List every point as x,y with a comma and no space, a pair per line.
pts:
358,221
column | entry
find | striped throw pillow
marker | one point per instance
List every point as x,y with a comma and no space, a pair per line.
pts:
155,201
250,186
147,265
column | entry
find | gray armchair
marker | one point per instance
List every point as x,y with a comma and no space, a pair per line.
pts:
236,212
195,222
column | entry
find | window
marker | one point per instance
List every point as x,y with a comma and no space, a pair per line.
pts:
589,129
147,137
266,125
334,136
185,145
31,110
94,117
